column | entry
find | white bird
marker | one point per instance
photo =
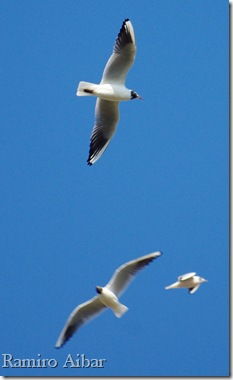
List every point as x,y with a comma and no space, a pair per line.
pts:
110,91
188,280
107,297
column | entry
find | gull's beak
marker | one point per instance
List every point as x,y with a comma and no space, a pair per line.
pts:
139,97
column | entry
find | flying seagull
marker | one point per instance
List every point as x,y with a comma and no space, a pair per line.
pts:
110,91
189,280
107,297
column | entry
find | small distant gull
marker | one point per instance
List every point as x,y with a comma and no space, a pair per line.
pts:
189,280
107,297
110,91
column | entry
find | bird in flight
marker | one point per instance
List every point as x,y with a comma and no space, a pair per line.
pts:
110,91
107,297
189,280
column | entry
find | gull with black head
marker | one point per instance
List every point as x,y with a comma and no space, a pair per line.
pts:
107,297
110,91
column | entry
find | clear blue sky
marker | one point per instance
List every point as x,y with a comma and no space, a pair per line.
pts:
161,185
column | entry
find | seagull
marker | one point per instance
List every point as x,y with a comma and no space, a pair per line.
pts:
110,91
188,280
107,297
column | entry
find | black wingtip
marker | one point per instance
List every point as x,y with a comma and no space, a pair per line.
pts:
124,22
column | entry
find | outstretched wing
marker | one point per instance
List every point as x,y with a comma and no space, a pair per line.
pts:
79,316
186,276
106,118
194,289
126,272
122,57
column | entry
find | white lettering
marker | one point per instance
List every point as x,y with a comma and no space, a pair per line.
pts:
80,362
83,362
69,359
5,365
10,362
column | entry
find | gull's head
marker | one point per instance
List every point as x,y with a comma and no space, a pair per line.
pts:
99,289
134,95
201,279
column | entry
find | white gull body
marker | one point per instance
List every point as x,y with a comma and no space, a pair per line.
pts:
189,281
110,91
107,297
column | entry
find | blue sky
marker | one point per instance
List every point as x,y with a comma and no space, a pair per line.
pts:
161,185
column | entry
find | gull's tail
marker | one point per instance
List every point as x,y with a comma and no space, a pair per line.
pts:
172,286
119,310
86,89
